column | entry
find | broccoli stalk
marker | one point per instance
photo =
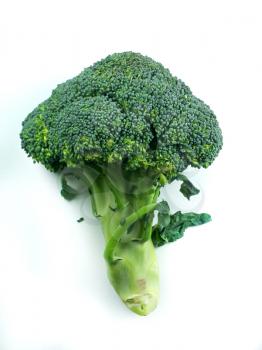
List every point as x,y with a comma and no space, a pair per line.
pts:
124,203
126,127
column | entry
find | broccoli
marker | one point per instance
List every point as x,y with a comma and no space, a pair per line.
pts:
125,127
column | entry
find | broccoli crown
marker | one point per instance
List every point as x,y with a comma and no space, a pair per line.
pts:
127,108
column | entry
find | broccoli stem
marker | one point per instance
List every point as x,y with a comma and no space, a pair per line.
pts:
126,217
122,228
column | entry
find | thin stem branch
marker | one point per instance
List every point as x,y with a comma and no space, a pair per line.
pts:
121,229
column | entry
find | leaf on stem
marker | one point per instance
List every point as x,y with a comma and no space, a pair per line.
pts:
172,227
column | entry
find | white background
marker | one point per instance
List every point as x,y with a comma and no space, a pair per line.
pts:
54,293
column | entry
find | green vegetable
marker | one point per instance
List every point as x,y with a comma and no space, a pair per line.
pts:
124,128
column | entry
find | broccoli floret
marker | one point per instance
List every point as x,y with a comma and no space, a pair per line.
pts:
125,127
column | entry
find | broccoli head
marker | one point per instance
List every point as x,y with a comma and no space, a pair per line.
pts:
125,127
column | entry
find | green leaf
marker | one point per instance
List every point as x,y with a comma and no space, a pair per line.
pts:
67,191
162,207
163,213
187,188
163,220
175,229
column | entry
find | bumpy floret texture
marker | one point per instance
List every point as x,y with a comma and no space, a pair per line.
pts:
126,108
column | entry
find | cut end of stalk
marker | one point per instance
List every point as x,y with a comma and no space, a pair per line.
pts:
142,304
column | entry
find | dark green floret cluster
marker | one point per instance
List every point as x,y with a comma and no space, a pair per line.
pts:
126,108
122,129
